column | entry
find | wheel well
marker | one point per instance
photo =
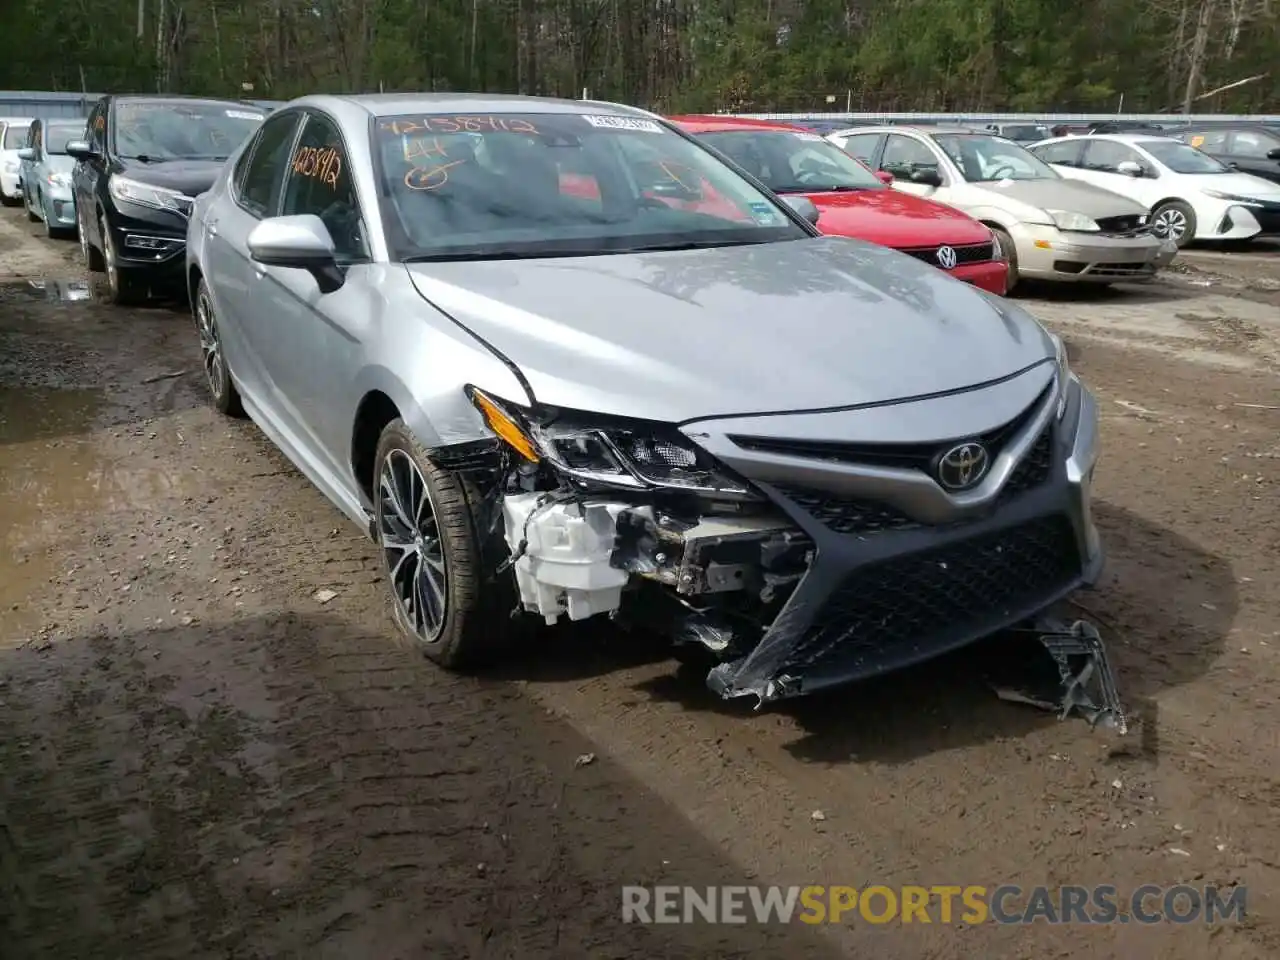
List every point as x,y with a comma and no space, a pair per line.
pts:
376,410
194,276
1159,203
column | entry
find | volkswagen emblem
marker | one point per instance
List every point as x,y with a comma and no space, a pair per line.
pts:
946,258
963,466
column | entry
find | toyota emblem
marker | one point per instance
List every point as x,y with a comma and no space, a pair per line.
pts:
963,466
946,258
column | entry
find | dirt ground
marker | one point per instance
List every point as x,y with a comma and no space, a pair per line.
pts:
200,760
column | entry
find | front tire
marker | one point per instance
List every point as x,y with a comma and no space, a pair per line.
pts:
1011,252
122,290
222,390
441,601
92,257
1174,220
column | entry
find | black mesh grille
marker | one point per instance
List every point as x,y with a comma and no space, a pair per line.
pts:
911,607
974,253
1033,469
849,516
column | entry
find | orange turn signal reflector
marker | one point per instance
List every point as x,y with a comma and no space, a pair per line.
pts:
1044,244
506,429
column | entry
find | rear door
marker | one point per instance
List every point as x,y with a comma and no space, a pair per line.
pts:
1099,165
907,157
245,309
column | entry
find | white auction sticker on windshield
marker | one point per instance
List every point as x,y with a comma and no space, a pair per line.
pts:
808,136
243,115
622,123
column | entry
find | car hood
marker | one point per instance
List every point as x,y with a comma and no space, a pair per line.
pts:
675,336
1240,184
895,219
192,177
1075,196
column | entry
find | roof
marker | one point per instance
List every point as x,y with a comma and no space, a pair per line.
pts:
181,98
391,104
912,128
710,123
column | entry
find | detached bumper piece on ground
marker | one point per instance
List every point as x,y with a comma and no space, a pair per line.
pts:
796,564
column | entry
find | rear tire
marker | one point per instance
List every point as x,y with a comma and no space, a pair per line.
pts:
443,600
222,389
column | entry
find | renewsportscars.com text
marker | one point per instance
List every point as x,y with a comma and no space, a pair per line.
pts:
879,905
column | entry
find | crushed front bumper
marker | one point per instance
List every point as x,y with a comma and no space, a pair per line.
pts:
902,571
1046,253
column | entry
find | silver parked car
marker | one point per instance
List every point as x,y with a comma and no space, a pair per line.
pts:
557,356
1057,229
46,174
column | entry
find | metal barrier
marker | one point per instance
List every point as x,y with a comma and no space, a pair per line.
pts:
50,105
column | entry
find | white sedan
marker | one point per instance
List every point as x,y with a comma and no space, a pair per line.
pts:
1191,195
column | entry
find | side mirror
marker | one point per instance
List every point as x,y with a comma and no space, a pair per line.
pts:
26,153
803,206
298,243
81,150
885,177
1273,154
1129,168
927,176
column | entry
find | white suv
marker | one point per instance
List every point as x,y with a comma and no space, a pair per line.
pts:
13,137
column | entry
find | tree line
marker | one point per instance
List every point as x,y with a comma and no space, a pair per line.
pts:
671,55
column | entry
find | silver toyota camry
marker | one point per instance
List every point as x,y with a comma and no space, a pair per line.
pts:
560,359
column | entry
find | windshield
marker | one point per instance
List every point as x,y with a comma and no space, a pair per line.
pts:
983,159
181,129
1182,158
58,135
15,136
513,185
789,162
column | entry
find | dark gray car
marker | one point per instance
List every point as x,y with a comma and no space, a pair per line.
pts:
558,357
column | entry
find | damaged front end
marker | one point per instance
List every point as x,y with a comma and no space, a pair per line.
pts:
756,561
607,513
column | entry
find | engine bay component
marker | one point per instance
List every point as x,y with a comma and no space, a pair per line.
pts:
561,554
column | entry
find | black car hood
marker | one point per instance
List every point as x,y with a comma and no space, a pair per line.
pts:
191,177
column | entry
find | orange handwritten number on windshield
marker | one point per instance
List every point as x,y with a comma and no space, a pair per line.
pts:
430,178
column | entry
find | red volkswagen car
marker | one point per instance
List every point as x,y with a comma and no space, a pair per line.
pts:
854,202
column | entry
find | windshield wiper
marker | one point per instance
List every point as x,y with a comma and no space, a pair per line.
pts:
837,188
686,245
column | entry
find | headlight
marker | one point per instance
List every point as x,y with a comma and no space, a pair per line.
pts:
997,252
639,457
59,179
1233,198
1070,220
124,190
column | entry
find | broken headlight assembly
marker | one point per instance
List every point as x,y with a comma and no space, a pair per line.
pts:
610,452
